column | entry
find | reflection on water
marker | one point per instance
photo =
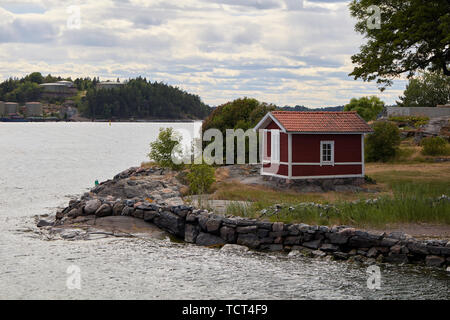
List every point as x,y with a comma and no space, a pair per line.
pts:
43,163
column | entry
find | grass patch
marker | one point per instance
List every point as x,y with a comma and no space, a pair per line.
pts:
410,194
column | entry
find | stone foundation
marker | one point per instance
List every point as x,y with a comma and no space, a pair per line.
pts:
318,185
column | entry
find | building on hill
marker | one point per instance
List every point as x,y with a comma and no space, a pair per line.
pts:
109,85
11,108
2,109
60,89
312,145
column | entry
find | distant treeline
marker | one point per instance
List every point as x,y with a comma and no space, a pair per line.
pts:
303,108
143,99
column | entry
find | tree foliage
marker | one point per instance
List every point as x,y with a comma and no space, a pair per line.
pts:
427,90
143,99
161,149
414,35
382,144
242,113
367,107
200,177
434,146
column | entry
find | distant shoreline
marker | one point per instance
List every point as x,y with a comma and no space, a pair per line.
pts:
103,121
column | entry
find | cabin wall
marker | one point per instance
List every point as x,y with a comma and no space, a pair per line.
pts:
306,156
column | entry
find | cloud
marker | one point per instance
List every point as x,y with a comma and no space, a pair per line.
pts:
280,51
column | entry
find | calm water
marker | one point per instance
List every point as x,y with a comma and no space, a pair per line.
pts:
43,164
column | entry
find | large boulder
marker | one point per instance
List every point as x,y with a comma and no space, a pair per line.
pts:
104,210
170,222
206,239
92,206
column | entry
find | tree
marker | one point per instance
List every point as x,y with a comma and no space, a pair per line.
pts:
382,144
200,177
413,35
428,90
367,107
163,147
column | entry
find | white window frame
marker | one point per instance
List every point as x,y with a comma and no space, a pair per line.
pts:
326,163
275,146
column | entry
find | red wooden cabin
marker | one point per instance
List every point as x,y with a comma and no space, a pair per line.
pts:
311,145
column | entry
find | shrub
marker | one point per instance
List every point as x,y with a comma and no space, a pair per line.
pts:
200,177
382,144
434,146
163,147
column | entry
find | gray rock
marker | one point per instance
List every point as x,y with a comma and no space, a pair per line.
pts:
118,208
338,238
417,248
249,229
262,233
362,242
44,223
149,215
292,240
92,206
170,222
127,211
228,234
396,258
272,247
434,261
388,242
372,253
213,224
191,232
248,239
138,213
318,253
278,226
328,247
315,244
206,239
104,210
340,255
75,212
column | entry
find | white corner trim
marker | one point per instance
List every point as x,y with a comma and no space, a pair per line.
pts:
290,155
264,119
362,156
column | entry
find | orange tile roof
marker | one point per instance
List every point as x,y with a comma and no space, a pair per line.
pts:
321,121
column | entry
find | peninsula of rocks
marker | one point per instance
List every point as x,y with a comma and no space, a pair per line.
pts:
153,196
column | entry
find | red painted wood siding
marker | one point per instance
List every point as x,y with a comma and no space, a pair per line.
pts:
306,147
304,170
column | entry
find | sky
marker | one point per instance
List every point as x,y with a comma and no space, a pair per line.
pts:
286,52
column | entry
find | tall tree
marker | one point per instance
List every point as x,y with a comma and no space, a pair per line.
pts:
427,90
367,107
412,35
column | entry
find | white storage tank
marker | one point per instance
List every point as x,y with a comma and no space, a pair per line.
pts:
11,107
33,109
2,109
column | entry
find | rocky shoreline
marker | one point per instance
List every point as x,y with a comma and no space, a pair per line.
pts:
154,196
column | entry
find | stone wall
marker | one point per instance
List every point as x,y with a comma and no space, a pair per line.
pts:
207,229
429,112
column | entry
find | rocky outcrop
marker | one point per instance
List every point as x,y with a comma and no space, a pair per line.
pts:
208,229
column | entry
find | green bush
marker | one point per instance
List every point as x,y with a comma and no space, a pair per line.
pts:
382,144
200,177
434,146
162,148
